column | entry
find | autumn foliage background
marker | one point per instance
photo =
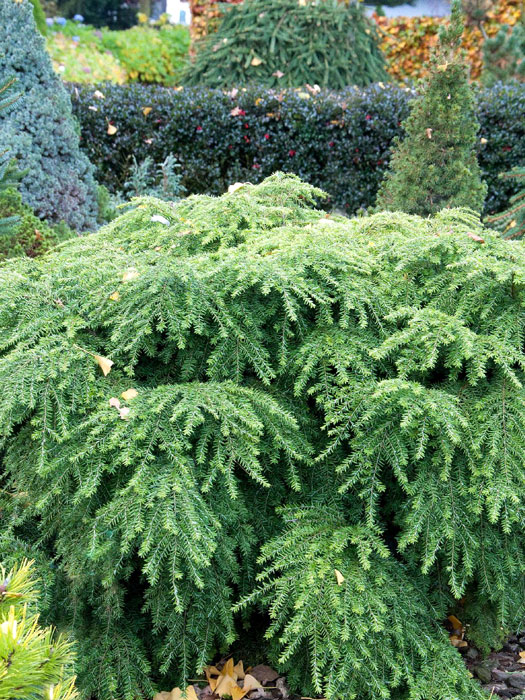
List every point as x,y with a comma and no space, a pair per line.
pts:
407,42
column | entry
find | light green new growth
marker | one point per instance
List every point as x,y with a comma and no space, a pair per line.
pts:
312,394
33,660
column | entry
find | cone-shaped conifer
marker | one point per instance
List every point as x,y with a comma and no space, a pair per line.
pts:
39,131
435,165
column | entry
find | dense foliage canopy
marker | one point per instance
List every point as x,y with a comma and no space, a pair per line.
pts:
285,43
238,401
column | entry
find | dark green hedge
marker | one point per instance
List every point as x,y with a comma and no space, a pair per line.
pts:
339,142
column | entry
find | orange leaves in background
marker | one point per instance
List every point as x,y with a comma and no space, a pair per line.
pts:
407,42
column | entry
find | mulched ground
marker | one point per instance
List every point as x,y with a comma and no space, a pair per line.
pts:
501,673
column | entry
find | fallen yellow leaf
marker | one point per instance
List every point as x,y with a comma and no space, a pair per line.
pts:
238,671
129,394
235,187
104,364
225,686
114,402
211,675
112,129
124,412
130,274
457,642
339,576
146,111
256,61
456,624
177,694
250,683
115,296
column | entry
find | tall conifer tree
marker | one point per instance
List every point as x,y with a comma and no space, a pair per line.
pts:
435,165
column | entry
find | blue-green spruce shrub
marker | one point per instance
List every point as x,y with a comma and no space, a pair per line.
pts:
39,130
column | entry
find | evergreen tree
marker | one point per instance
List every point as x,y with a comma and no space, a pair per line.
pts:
435,165
511,222
39,130
32,660
504,55
9,175
286,43
237,401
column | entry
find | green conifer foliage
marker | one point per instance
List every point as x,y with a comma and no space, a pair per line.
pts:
435,165
286,43
511,222
504,55
39,130
33,660
326,419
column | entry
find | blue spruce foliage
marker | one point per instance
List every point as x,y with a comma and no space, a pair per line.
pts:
39,130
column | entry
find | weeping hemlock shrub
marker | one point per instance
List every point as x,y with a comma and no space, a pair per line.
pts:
39,130
285,43
234,402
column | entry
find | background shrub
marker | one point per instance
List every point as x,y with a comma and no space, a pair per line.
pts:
147,54
39,130
150,55
284,43
39,15
28,235
339,141
79,56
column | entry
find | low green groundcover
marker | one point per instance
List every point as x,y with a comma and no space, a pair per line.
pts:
237,405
